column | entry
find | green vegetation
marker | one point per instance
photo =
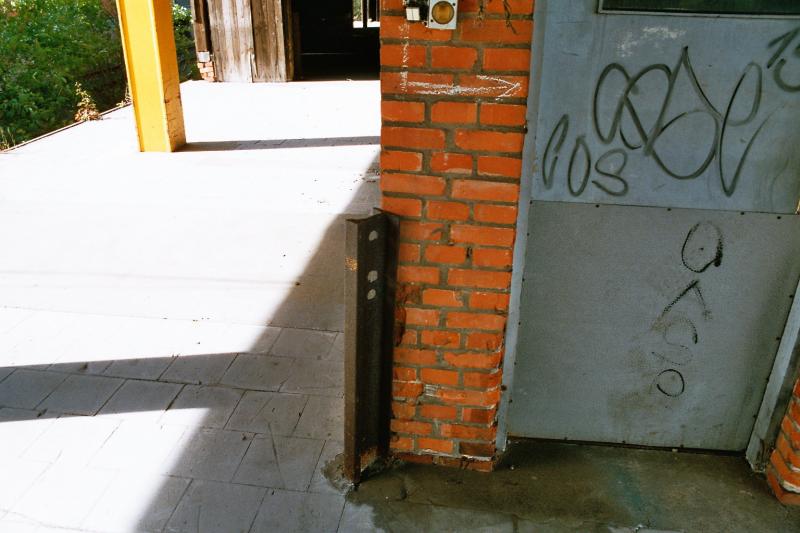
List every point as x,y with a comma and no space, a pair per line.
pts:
51,48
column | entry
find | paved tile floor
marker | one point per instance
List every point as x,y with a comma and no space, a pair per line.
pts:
171,324
211,443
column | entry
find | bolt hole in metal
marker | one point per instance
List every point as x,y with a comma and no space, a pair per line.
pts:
373,235
372,277
371,294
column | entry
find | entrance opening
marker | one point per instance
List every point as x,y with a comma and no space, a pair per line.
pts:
336,39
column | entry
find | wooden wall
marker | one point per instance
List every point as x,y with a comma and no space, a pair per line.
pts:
251,39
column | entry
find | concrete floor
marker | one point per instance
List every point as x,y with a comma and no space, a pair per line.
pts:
547,487
170,324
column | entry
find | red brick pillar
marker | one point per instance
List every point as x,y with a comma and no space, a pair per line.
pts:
783,472
454,105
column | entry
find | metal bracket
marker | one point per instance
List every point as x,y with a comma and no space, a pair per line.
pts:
370,281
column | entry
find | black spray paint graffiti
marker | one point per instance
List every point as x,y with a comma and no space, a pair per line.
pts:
703,247
608,124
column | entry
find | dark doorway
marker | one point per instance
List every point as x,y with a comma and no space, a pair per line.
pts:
336,39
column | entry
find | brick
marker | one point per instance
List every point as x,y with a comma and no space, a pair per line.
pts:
403,55
436,445
421,231
504,167
436,376
478,278
409,338
784,496
414,357
517,7
393,111
785,474
477,449
438,210
481,380
415,458
497,86
403,411
478,416
399,443
457,431
402,373
458,57
409,253
422,317
482,235
392,5
503,114
451,163
794,410
495,301
416,83
499,214
485,341
408,207
492,257
403,137
476,464
495,31
454,112
412,427
417,184
489,141
453,255
441,338
397,27
406,389
474,360
405,161
442,298
462,397
507,59
480,321
438,412
792,433
787,452
485,190
417,274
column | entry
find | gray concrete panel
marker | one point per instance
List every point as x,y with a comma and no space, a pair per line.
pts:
653,110
650,326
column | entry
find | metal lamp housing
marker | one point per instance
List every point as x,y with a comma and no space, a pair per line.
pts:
443,14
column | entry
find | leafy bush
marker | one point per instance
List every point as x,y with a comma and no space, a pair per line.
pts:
184,42
47,46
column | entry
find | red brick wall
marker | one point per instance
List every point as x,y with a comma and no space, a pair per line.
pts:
783,472
453,127
207,71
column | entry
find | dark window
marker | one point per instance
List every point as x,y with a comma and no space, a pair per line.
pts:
719,7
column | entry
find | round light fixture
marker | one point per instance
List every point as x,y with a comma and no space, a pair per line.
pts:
443,12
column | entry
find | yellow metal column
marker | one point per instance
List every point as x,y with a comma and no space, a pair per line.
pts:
152,63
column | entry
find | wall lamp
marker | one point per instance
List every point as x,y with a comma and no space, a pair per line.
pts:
436,14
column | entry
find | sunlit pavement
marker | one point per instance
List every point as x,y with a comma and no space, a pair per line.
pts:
170,324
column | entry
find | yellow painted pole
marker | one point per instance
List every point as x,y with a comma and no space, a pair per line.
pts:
148,42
